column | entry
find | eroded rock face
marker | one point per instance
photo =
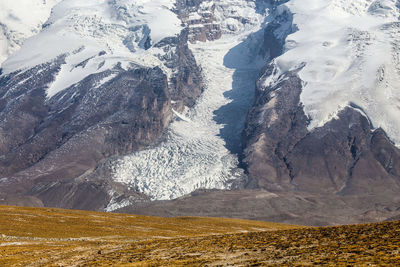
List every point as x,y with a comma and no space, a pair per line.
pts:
198,16
72,132
135,101
273,127
345,156
186,81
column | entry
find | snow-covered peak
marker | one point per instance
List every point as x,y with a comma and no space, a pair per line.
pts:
20,19
95,35
350,52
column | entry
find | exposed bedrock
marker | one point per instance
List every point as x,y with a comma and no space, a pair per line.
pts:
128,109
345,156
83,125
202,26
186,83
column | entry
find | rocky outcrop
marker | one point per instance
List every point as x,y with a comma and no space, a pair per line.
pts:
345,156
65,136
198,16
186,82
274,125
131,109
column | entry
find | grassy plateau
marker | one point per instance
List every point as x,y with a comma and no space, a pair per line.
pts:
54,237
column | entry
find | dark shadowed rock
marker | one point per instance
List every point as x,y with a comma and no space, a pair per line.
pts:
186,81
274,125
82,126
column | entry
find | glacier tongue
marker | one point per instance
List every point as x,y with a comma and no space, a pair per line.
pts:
195,153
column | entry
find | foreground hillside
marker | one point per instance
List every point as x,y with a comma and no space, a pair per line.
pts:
51,236
31,236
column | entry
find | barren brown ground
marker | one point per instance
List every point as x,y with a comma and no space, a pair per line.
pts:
52,237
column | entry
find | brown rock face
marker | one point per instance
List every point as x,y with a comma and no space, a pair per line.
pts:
71,137
344,156
347,157
187,83
203,26
274,125
130,102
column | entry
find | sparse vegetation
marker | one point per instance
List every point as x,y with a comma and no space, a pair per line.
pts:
30,236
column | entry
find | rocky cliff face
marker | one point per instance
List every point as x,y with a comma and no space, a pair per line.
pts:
50,140
186,83
346,155
199,16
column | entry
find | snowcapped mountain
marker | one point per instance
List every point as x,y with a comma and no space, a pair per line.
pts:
98,34
111,103
352,57
325,114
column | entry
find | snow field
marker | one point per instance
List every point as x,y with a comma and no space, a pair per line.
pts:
351,54
19,20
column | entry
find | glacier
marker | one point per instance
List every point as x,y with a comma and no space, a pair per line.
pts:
349,55
199,150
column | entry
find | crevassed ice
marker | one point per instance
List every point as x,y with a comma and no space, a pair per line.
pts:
195,154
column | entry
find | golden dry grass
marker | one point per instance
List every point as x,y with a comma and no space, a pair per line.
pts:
51,237
34,236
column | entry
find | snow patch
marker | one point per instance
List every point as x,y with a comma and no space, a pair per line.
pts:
116,202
